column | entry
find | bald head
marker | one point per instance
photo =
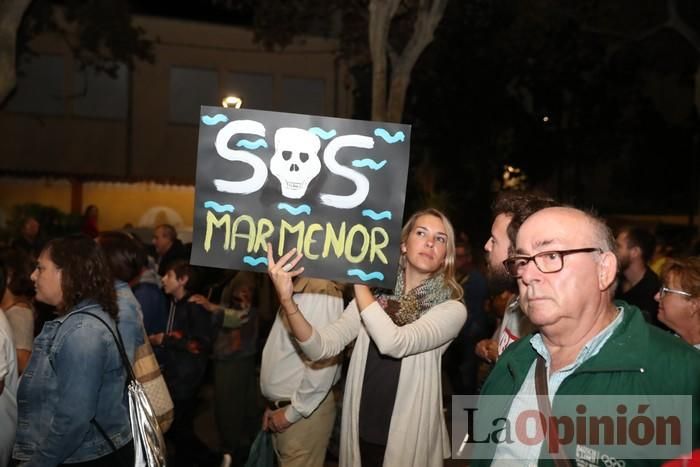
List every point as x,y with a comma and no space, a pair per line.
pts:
567,225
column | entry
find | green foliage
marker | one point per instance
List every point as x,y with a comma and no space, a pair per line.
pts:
100,33
54,222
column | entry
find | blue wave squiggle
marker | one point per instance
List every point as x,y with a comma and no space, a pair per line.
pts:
254,261
218,118
368,163
375,216
383,134
258,143
321,133
302,208
219,207
364,276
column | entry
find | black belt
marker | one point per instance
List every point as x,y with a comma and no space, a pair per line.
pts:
274,405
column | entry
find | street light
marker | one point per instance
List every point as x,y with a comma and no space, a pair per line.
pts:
232,101
513,178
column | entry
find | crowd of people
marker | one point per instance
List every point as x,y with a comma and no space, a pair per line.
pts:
560,300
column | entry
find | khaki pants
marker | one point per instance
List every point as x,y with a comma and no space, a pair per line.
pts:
304,443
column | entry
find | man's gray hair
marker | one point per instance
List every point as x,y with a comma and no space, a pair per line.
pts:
602,233
604,239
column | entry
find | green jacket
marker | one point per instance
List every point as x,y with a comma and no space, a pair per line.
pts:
637,359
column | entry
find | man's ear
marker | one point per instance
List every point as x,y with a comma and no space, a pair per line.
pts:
183,280
695,306
636,251
607,270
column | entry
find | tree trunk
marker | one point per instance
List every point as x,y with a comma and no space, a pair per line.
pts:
11,13
381,12
428,17
397,96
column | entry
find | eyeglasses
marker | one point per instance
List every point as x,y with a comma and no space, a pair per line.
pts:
547,261
665,290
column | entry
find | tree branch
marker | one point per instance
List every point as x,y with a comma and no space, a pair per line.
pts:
429,15
428,18
676,23
381,12
11,13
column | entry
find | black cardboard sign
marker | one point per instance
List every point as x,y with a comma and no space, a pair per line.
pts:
333,188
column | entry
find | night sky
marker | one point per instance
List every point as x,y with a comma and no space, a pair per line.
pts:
594,101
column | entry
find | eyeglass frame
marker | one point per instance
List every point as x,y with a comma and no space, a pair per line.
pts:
666,290
561,253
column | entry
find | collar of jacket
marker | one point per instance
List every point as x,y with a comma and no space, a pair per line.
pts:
84,305
620,352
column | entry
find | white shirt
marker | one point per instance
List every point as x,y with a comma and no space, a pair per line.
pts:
513,326
285,373
8,397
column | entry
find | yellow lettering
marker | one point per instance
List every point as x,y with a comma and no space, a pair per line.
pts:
212,221
308,240
357,228
265,230
250,235
336,241
376,249
297,228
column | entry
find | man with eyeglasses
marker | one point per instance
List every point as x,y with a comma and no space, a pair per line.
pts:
565,265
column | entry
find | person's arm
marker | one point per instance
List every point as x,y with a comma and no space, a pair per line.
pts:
22,360
333,338
229,318
487,349
281,273
4,368
363,296
21,321
316,344
4,359
79,364
436,327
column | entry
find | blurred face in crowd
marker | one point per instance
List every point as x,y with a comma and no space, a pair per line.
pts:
92,212
461,258
47,280
623,250
174,286
496,248
161,241
676,310
30,228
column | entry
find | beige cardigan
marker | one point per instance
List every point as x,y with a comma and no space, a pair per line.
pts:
417,434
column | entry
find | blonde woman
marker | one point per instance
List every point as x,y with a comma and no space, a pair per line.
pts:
392,408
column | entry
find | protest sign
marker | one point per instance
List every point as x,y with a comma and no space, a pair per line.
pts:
332,188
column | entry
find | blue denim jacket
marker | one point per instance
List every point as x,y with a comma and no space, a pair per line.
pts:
75,374
130,319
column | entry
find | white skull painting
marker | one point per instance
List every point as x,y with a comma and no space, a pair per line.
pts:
295,162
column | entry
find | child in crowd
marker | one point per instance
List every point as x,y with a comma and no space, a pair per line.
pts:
185,346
